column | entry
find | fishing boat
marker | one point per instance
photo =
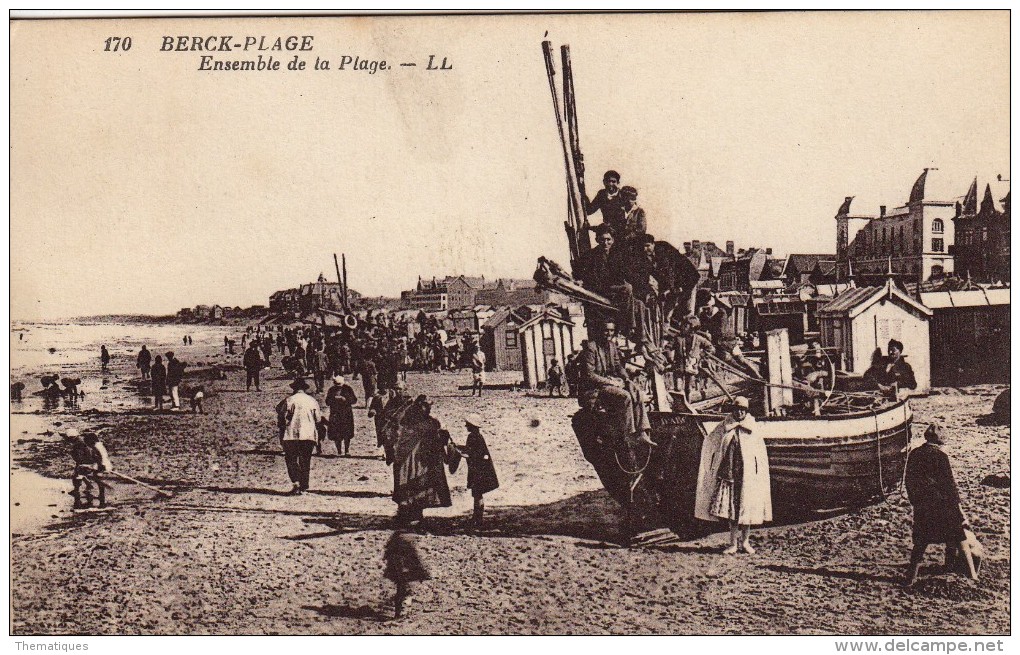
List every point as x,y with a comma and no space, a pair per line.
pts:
849,452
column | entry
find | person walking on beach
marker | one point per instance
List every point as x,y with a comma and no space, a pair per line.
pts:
477,371
252,362
144,362
733,479
369,377
299,417
419,461
932,491
403,567
174,376
481,476
555,379
158,383
317,360
341,400
104,357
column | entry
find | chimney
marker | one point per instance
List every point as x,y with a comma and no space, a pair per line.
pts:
740,253
768,251
729,247
695,244
881,210
687,247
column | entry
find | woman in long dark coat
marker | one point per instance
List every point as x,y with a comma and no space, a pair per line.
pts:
931,488
419,451
157,378
340,399
481,477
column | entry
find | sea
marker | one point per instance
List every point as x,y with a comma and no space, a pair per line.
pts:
70,349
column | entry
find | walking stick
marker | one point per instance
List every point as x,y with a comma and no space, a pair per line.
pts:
139,482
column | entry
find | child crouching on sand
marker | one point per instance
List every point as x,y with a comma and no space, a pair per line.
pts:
90,459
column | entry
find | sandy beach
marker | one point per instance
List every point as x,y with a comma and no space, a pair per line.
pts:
231,553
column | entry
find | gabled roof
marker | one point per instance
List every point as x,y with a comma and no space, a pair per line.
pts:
500,316
539,313
717,263
803,263
853,302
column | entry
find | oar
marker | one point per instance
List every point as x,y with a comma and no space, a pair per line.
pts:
139,482
709,373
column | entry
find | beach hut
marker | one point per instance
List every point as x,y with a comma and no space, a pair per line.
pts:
861,320
546,333
501,340
969,335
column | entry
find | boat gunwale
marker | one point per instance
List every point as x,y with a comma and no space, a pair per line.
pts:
784,419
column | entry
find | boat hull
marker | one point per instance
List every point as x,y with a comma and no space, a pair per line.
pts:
816,463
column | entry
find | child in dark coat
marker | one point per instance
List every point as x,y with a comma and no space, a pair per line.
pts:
403,566
481,478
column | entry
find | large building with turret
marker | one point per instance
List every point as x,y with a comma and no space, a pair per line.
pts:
914,239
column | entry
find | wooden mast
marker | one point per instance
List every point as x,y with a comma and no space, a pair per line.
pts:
570,111
347,296
575,205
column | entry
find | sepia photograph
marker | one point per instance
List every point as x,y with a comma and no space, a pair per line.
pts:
669,323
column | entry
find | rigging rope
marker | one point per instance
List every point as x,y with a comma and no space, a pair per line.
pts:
794,387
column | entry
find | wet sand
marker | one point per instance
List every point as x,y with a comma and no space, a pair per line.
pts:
230,553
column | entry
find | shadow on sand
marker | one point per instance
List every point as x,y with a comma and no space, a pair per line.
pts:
363,612
857,576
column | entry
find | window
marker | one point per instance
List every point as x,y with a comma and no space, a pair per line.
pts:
984,234
937,245
511,337
937,226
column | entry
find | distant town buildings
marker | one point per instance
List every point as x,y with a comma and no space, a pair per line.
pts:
981,251
455,292
914,240
311,297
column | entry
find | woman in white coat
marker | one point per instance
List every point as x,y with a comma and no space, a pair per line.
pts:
733,480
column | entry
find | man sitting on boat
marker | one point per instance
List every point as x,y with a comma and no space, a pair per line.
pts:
604,271
606,382
891,375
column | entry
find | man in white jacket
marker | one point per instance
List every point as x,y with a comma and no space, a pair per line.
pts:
299,419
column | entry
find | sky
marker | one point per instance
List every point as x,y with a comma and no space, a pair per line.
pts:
140,184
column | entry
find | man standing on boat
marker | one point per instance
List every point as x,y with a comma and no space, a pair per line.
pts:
633,224
607,200
605,381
